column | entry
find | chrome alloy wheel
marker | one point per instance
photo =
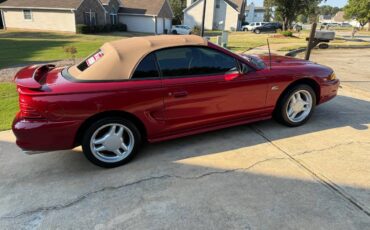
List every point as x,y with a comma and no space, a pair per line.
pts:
299,106
112,143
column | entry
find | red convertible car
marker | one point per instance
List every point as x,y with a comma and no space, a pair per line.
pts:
157,88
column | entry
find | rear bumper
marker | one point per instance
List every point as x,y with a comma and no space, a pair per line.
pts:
329,90
42,136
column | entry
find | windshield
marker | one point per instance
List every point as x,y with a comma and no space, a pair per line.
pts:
255,61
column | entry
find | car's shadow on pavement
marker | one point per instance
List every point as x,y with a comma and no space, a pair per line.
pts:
341,112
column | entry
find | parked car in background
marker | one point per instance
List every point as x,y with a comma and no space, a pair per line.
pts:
157,88
252,26
181,29
269,27
297,27
345,24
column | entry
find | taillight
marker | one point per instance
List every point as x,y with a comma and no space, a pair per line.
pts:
27,112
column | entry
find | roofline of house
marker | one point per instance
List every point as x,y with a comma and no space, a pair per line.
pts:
232,6
194,3
146,15
173,14
106,4
35,8
50,8
100,3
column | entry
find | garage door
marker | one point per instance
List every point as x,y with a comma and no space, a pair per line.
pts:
138,23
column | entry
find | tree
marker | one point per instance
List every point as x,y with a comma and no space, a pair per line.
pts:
359,10
177,7
268,8
302,18
328,10
288,10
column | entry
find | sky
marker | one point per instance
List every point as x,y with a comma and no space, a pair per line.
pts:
338,3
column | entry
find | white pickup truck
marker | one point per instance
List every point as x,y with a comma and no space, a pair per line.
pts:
252,26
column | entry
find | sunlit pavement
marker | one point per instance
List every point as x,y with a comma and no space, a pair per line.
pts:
259,176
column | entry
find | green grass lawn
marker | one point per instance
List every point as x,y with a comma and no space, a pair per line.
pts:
19,48
8,104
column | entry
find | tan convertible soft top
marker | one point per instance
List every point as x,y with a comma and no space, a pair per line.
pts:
121,56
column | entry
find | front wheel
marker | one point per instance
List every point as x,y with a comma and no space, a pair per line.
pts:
245,29
257,31
296,106
111,142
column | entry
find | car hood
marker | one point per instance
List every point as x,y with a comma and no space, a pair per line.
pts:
263,61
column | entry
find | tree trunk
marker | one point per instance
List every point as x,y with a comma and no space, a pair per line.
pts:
285,24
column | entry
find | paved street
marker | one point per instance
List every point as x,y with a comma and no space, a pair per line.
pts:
259,176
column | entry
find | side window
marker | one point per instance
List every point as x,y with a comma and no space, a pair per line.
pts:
186,61
146,69
174,62
209,61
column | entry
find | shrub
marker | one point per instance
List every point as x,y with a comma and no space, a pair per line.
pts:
107,28
82,29
121,27
71,51
287,33
85,29
196,30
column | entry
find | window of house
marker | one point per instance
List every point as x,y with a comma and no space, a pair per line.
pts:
187,61
27,14
113,19
147,68
90,18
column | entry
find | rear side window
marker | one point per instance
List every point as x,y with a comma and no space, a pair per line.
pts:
147,68
90,60
187,61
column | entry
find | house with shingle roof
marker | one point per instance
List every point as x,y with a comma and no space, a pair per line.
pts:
148,16
220,14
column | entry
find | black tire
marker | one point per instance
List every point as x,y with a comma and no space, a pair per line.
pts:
281,111
88,135
174,31
257,31
245,29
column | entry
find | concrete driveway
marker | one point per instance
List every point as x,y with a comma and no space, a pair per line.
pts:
259,176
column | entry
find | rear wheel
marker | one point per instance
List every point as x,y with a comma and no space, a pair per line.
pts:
245,29
296,106
174,31
257,31
111,142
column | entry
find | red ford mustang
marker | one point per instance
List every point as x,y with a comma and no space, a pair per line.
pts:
158,88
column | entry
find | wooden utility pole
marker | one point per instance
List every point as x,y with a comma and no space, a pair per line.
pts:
203,17
310,43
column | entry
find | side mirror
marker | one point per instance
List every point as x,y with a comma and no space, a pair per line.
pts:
244,69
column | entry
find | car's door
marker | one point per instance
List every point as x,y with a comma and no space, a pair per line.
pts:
147,91
269,28
204,86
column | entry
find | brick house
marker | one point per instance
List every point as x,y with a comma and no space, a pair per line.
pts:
149,16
